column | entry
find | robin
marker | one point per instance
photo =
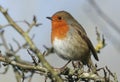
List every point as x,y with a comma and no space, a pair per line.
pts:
69,39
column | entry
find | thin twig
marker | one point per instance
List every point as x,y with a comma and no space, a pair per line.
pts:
4,41
3,26
110,72
33,58
17,74
31,77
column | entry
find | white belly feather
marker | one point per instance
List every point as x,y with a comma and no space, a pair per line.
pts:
70,48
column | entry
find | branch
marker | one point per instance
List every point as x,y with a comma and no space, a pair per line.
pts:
92,76
78,75
23,66
31,44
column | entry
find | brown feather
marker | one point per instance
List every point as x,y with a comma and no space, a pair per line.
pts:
83,34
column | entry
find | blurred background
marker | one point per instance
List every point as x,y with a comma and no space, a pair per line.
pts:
104,14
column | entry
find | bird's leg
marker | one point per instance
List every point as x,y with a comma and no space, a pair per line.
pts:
66,64
78,64
73,64
62,68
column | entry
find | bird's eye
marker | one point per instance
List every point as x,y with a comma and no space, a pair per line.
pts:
59,18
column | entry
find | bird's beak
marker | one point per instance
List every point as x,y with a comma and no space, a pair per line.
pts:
49,18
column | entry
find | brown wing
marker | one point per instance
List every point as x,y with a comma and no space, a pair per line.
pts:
91,47
83,34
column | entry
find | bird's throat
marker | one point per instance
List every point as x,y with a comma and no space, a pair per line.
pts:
59,30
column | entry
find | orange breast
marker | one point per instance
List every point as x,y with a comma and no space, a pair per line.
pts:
59,30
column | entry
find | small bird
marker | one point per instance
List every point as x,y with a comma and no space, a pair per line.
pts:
69,39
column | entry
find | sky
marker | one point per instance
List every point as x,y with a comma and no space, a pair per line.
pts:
81,10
